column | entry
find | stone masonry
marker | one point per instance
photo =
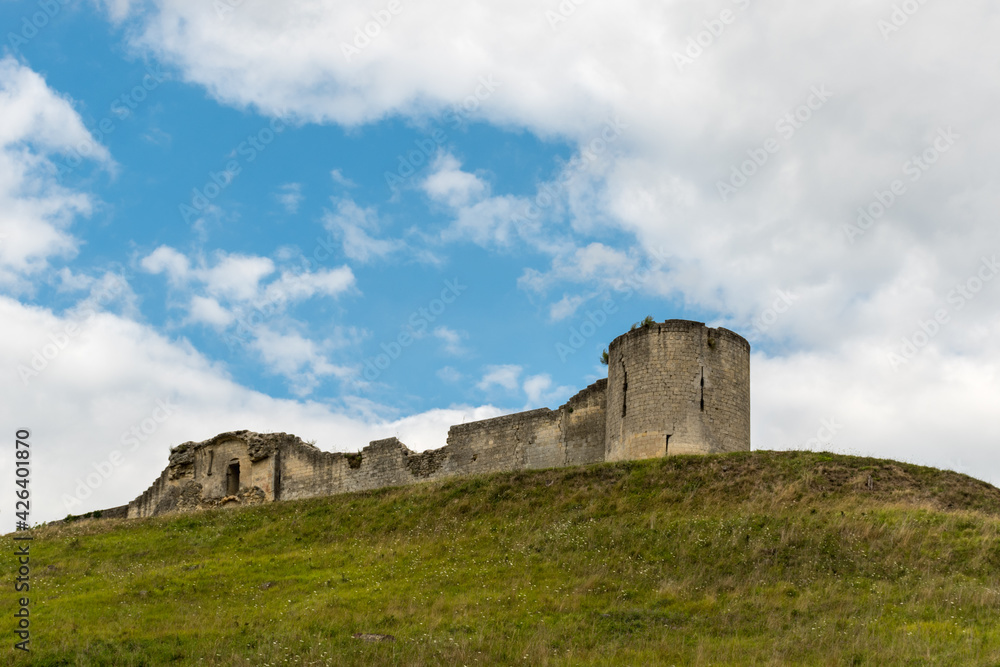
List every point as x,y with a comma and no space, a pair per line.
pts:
676,387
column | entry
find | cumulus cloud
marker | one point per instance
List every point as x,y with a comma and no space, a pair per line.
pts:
41,129
504,376
448,183
297,358
207,310
764,164
239,279
240,292
169,261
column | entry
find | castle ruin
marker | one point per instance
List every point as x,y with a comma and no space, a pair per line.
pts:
676,387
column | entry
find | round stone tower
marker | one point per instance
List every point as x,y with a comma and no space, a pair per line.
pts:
677,387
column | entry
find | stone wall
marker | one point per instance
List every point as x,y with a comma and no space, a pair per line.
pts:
677,387
583,425
280,466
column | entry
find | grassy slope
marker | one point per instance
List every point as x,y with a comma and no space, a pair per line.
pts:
758,558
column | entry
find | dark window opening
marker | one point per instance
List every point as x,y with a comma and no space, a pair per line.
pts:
211,458
702,388
667,450
277,475
233,479
624,391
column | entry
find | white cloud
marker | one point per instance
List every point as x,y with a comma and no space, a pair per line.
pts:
208,311
504,376
231,292
338,177
39,128
301,360
565,307
491,222
452,340
290,196
237,277
684,130
35,114
933,411
300,286
167,260
449,184
353,225
657,167
429,430
541,393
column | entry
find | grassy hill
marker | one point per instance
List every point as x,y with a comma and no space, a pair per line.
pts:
760,558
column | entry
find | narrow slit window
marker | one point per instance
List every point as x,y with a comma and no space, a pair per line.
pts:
702,388
624,392
666,450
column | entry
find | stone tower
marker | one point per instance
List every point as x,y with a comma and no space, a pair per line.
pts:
677,387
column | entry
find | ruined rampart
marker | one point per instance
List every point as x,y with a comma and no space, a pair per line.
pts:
676,387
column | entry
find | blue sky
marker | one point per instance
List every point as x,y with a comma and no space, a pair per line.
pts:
257,217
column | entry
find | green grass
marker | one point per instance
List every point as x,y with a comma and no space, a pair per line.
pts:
762,558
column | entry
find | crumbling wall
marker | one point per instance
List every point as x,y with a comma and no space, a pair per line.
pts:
196,475
280,466
306,471
676,387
